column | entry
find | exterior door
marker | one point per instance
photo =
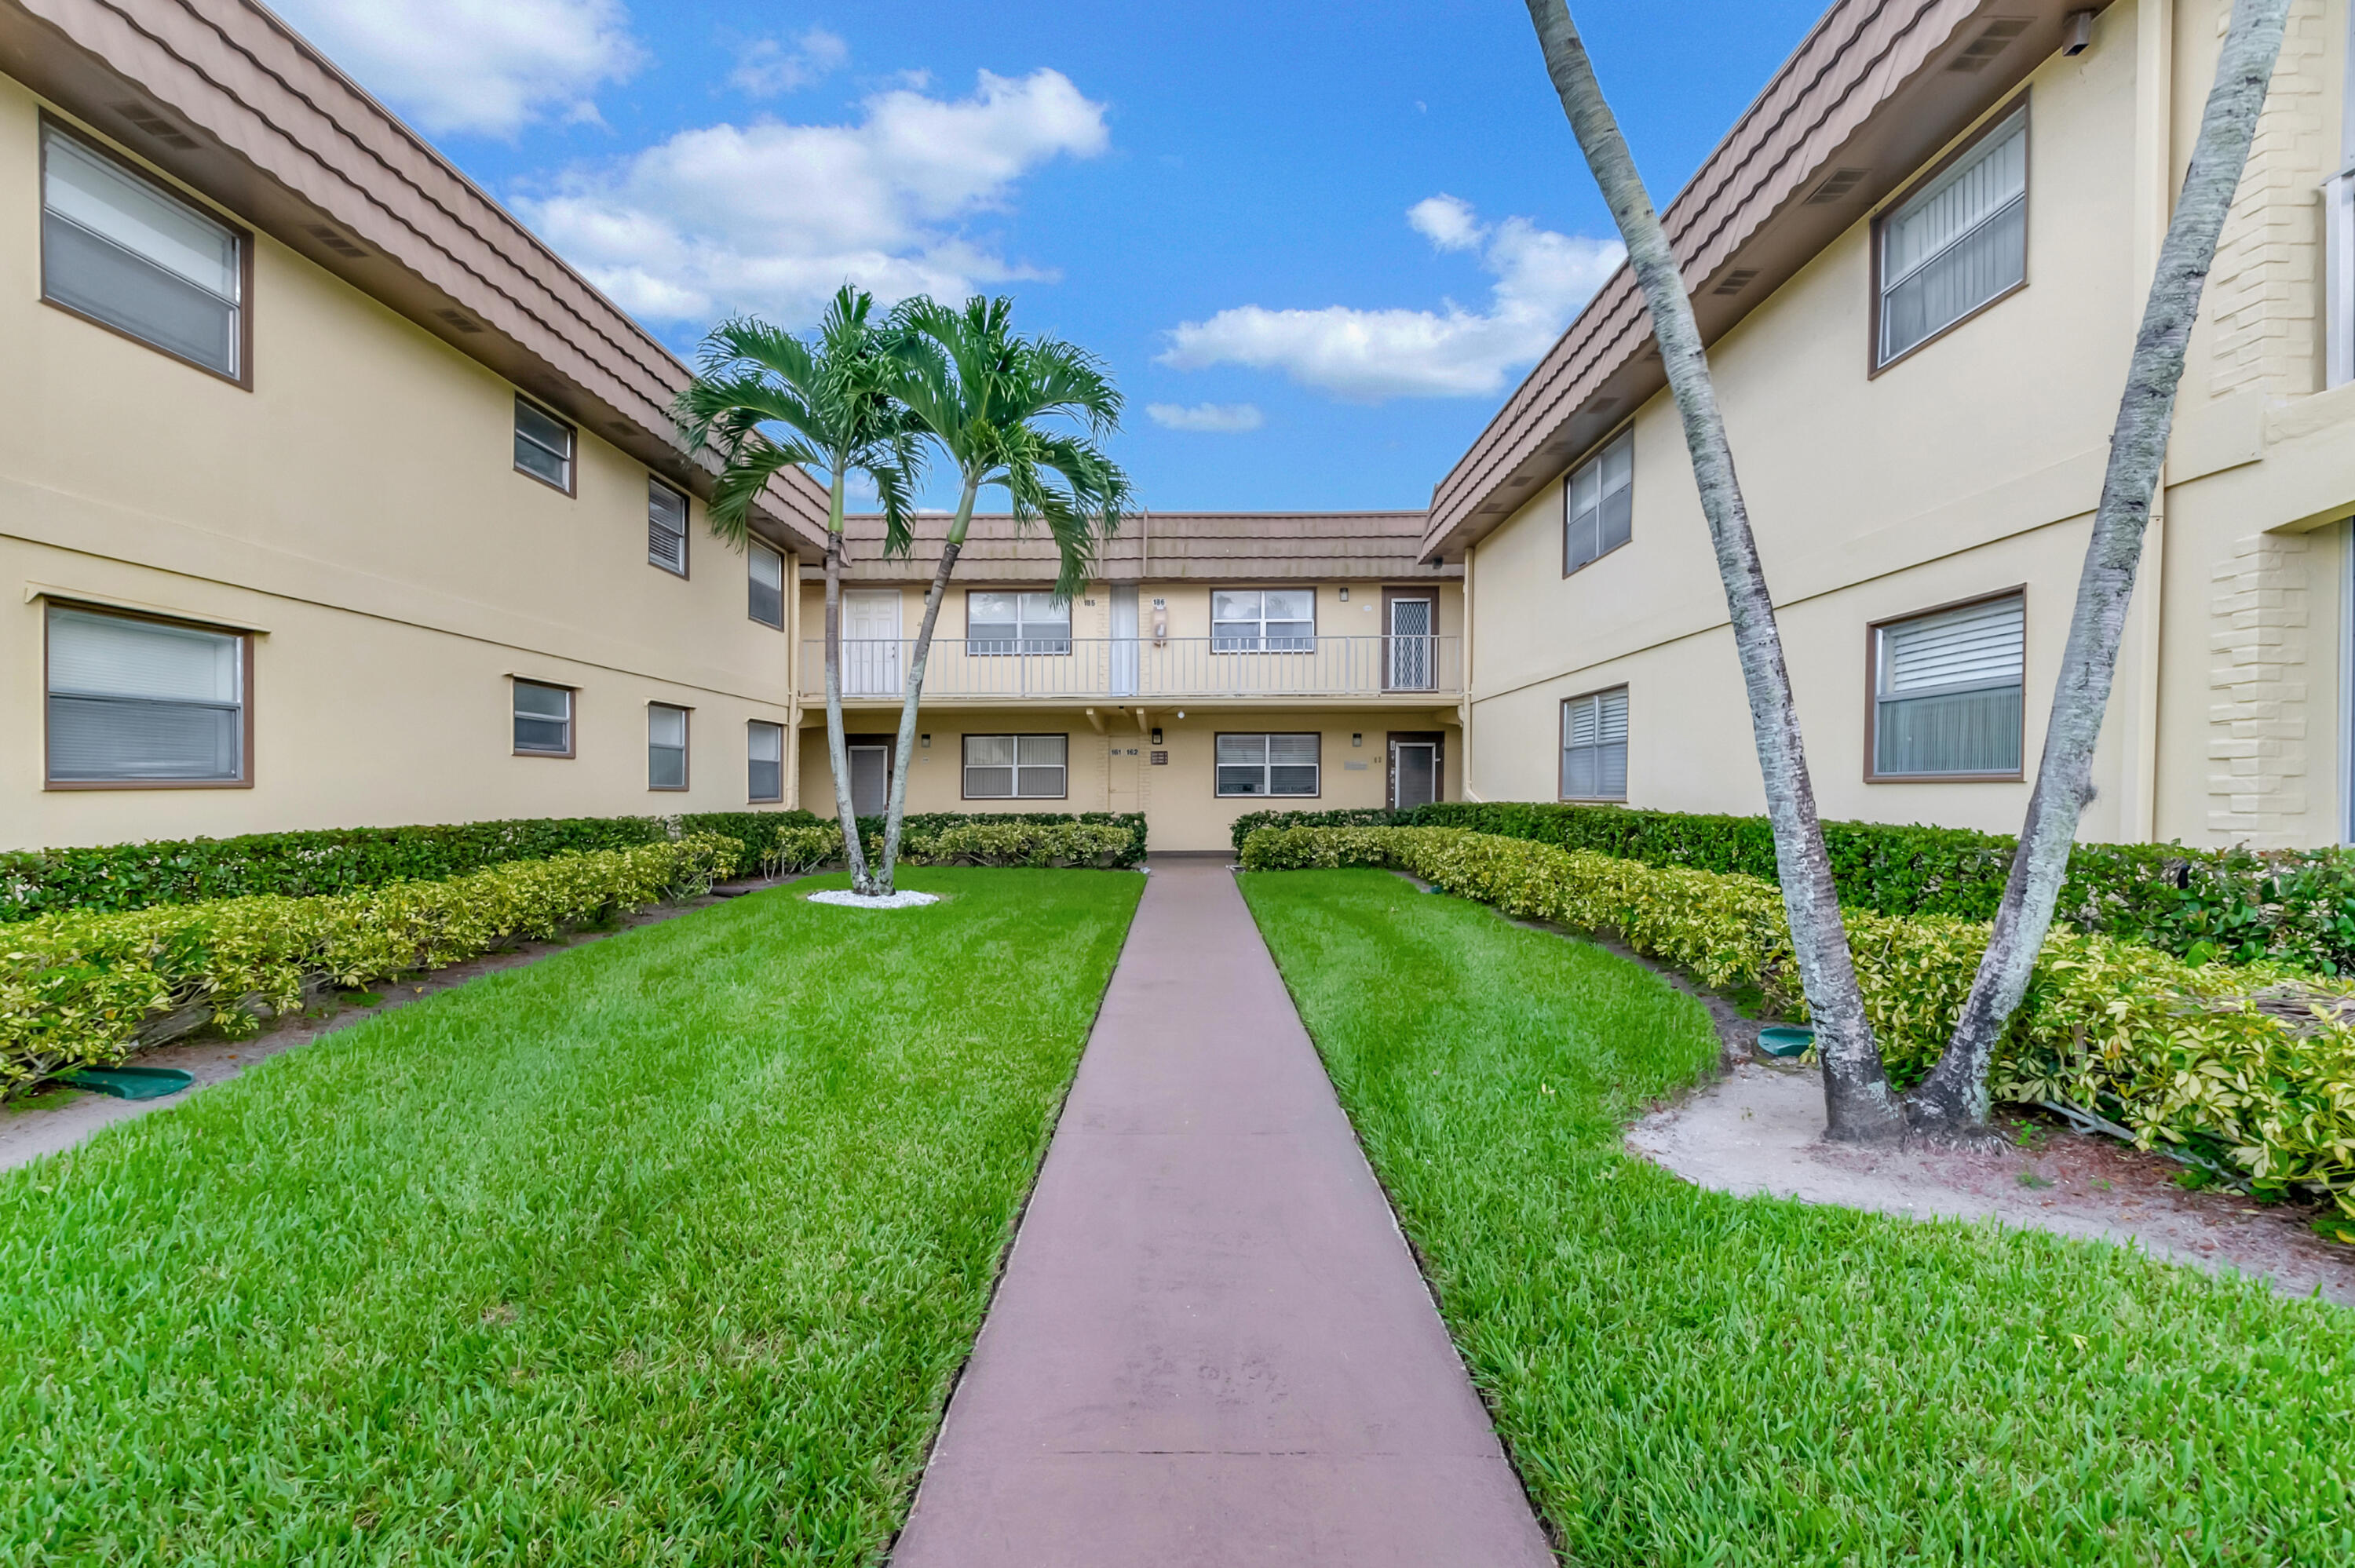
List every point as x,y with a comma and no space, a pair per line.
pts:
870,773
1416,768
1410,647
870,643
1124,639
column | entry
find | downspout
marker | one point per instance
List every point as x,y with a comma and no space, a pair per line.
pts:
1465,704
2154,190
790,753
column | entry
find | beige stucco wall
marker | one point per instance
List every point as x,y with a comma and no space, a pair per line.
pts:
1973,466
359,505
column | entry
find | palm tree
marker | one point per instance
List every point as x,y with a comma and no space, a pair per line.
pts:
831,400
1858,1102
991,400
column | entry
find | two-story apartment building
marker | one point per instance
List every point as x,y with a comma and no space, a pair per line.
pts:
1220,662
1920,259
329,497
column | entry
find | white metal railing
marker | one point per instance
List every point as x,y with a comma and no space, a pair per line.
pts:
1146,668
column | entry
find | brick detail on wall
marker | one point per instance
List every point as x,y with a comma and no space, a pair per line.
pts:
2263,296
2257,644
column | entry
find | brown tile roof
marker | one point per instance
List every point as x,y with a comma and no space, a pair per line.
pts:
1871,93
224,96
1161,545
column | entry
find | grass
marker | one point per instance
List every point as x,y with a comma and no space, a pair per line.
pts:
1690,1379
661,1250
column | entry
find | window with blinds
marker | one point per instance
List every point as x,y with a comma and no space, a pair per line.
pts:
764,749
144,702
1947,692
665,746
1594,747
1263,621
119,248
1268,764
543,719
1017,623
1959,244
543,446
1599,503
666,527
767,569
1015,767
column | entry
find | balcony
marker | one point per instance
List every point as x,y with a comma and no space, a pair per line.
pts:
1417,671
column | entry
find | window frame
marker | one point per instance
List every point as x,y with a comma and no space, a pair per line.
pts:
1266,768
1872,630
572,718
686,748
1561,744
686,517
50,784
964,767
51,123
1591,456
1995,119
571,485
783,579
749,797
1021,639
1260,639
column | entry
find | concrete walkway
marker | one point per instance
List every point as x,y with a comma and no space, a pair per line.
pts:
1211,1346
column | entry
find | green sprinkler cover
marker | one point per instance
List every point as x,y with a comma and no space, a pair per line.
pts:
129,1083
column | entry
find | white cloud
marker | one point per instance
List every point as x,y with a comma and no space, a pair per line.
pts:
773,216
464,66
1542,279
1219,419
766,67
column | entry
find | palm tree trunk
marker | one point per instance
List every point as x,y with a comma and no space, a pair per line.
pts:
1858,1102
854,854
950,549
1953,1098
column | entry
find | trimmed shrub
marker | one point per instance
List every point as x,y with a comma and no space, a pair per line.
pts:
2252,1066
75,988
2238,906
1016,842
927,826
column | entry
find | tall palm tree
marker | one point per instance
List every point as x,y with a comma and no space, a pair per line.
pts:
1858,1102
831,403
995,403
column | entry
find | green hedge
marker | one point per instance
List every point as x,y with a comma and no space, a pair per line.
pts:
118,877
920,827
2288,906
2250,1066
75,988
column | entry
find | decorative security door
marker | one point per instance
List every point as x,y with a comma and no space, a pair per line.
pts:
1411,648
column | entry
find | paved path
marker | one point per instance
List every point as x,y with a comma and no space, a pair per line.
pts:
1211,1346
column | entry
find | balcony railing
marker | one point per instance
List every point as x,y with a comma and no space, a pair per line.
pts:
1146,669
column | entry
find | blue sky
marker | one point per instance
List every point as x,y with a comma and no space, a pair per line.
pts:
1316,245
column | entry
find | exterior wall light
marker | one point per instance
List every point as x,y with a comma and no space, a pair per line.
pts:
1157,734
1356,737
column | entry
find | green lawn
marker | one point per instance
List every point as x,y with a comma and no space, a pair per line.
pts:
1690,1379
661,1250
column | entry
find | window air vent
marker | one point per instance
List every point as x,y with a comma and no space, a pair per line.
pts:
1838,185
458,319
1993,41
155,125
334,239
1736,281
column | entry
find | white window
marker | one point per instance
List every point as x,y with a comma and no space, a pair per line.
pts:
1263,621
119,248
1947,692
543,446
1960,244
1018,766
665,746
666,527
1598,503
543,719
764,746
1017,623
1268,764
1594,747
144,702
767,605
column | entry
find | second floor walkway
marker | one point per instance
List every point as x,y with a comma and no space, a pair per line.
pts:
1410,669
